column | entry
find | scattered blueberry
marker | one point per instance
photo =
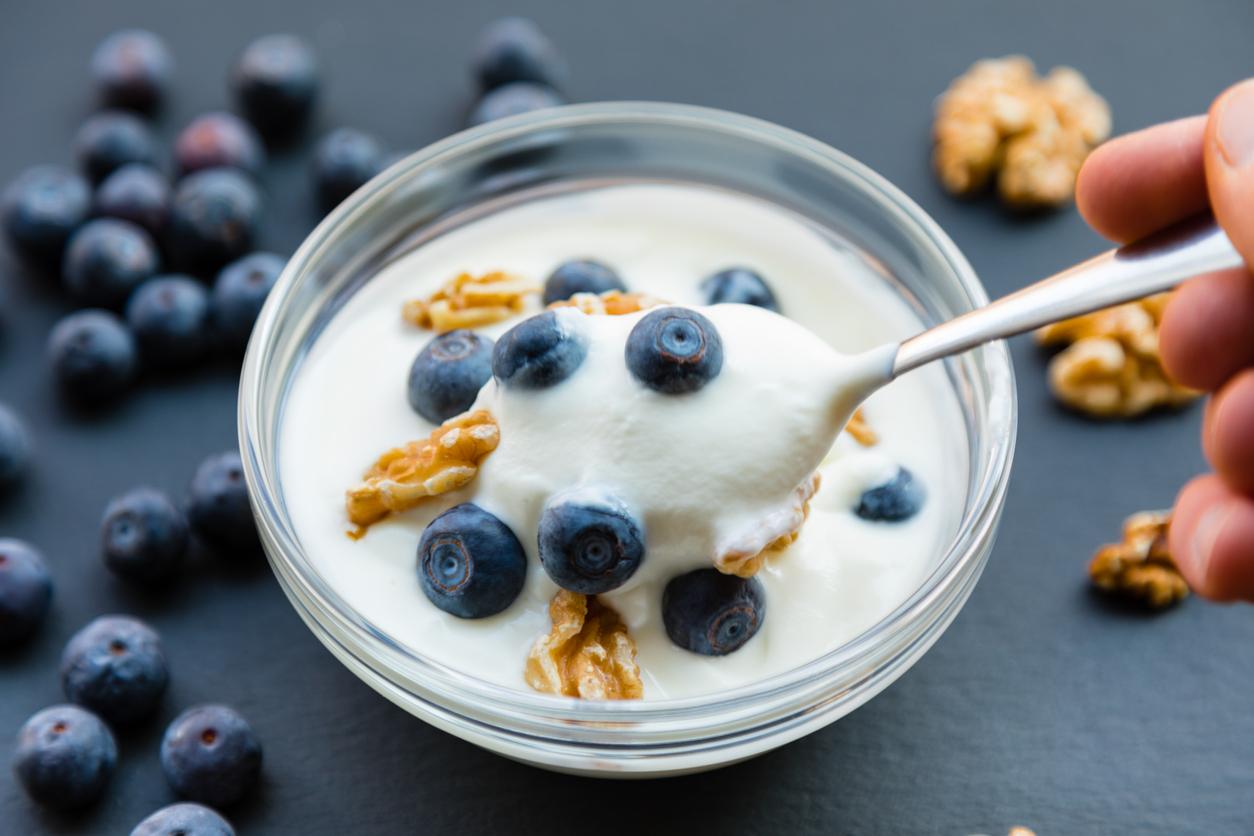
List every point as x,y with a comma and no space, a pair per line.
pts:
900,498
184,819
538,352
93,356
25,591
448,373
115,667
590,547
132,69
710,613
515,49
674,351
14,447
276,83
143,536
218,140
169,316
342,163
106,260
65,757
210,754
213,218
218,509
580,276
739,285
238,295
469,563
136,193
111,139
511,100
42,208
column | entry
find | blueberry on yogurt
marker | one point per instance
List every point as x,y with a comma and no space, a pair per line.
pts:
538,353
674,351
739,285
448,373
580,276
898,499
470,564
710,613
590,546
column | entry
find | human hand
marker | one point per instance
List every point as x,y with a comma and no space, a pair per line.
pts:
1141,182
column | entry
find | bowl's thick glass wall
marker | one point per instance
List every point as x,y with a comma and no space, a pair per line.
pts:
580,147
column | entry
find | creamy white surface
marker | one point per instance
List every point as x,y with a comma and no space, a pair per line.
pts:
601,430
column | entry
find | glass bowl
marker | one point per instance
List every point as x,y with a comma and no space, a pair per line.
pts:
500,164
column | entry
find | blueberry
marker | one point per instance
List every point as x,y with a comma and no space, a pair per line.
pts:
136,193
25,591
538,352
900,498
218,140
739,285
169,316
115,667
580,276
65,757
106,260
469,563
210,754
218,509
511,100
111,139
276,82
93,356
238,295
674,351
342,163
213,218
41,209
590,546
710,613
132,69
448,373
14,447
514,49
143,536
184,819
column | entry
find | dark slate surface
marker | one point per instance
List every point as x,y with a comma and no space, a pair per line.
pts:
1041,706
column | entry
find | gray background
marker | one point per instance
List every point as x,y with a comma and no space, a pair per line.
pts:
1042,705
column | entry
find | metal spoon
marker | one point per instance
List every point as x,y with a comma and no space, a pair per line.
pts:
1151,265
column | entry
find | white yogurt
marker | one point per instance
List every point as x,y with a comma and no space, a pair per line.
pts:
679,462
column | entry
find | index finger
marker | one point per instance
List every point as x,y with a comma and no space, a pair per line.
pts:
1143,181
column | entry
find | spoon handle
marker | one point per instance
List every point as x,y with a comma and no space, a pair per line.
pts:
1151,265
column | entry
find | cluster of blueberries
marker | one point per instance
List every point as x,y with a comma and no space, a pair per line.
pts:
114,671
472,565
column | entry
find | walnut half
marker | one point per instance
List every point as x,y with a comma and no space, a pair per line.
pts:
404,476
770,536
469,301
588,653
1140,567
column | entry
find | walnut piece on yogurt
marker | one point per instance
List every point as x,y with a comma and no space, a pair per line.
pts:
404,476
470,301
609,303
769,536
588,653
1111,367
860,429
1140,567
1001,120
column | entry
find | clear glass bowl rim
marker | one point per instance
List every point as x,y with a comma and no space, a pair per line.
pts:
963,557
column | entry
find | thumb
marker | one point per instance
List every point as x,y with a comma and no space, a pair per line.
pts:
1229,156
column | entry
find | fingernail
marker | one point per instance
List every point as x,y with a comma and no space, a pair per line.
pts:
1234,128
1204,536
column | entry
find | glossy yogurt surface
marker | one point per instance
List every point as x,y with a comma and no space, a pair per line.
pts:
696,470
